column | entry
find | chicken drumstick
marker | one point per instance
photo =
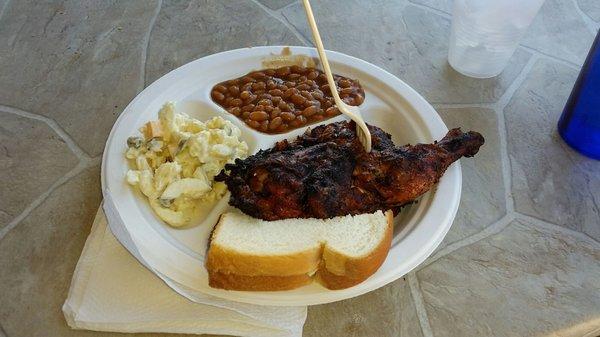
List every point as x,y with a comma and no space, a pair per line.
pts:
326,173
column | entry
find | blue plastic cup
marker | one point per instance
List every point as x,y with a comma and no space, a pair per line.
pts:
579,124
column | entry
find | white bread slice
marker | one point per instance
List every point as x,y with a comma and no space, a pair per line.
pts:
252,254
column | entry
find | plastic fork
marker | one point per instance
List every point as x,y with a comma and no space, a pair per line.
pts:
362,131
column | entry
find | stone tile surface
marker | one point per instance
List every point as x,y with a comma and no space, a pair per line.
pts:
524,281
78,62
175,38
388,311
276,4
3,3
36,269
482,202
550,180
410,43
442,5
591,8
559,30
37,259
32,158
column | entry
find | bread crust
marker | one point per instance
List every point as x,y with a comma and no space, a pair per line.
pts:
230,270
256,283
228,261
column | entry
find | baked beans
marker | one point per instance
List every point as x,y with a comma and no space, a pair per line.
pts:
278,100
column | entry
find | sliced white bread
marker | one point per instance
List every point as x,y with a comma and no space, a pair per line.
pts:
252,254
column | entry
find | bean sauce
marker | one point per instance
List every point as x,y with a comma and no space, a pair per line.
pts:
286,98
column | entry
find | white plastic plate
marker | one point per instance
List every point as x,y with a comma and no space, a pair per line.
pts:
177,255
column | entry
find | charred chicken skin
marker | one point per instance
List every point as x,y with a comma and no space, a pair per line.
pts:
326,173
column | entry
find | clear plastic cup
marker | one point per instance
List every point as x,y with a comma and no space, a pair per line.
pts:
485,34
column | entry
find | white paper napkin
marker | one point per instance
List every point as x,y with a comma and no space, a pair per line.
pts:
112,291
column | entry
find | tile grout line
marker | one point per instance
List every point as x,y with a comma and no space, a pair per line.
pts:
146,45
531,220
307,42
431,9
541,54
417,297
71,144
590,24
463,105
505,164
291,4
503,132
281,18
82,165
492,229
516,83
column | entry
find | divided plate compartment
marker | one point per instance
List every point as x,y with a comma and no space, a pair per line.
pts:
177,254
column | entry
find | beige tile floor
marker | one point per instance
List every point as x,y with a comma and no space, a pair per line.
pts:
522,258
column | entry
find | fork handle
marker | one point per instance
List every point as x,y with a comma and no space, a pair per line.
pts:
321,50
362,130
